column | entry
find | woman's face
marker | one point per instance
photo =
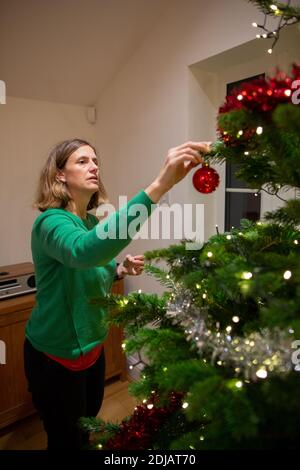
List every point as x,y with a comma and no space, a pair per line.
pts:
80,172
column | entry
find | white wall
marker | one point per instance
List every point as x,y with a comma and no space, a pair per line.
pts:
28,129
146,109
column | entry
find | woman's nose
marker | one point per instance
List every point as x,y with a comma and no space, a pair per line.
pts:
93,167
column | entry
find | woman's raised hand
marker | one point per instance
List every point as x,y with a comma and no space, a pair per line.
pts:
180,160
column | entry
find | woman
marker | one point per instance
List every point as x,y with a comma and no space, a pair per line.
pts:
63,353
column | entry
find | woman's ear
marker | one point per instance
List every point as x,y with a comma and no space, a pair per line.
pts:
60,177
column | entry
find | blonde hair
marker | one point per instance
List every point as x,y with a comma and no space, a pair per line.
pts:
53,193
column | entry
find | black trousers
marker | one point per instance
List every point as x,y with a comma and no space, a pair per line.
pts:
62,396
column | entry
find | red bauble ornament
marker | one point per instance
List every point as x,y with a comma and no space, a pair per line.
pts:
206,180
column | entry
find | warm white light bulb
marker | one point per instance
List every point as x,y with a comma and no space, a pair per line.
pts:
185,405
246,153
240,97
209,254
239,384
270,51
259,130
254,25
246,275
235,319
273,7
228,237
287,275
262,373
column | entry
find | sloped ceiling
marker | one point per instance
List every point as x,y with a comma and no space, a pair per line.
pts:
68,50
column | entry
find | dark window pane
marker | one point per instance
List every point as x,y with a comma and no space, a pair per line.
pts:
240,206
231,180
232,85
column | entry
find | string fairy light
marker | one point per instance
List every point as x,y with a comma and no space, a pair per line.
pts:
287,16
137,363
287,275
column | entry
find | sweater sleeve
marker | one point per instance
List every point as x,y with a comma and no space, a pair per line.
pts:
61,239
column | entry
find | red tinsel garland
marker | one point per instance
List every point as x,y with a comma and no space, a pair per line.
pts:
262,94
137,433
259,96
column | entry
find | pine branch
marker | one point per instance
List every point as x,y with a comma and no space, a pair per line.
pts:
288,12
134,310
288,215
161,275
97,425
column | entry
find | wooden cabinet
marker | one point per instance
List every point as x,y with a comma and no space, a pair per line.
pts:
115,358
15,400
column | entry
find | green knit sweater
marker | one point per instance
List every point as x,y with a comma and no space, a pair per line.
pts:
72,266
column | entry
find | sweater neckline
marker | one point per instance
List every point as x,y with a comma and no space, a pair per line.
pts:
77,216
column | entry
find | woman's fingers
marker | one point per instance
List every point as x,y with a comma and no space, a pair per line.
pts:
139,257
187,151
190,149
187,158
198,146
136,261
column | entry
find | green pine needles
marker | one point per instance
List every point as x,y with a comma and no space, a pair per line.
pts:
224,334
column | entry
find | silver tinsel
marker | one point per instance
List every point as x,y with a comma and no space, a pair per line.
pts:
254,357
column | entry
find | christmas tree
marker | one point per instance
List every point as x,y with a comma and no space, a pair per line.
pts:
223,370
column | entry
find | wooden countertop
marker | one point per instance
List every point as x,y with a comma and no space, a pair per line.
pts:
21,302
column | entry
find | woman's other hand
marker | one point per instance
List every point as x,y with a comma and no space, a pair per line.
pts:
131,266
